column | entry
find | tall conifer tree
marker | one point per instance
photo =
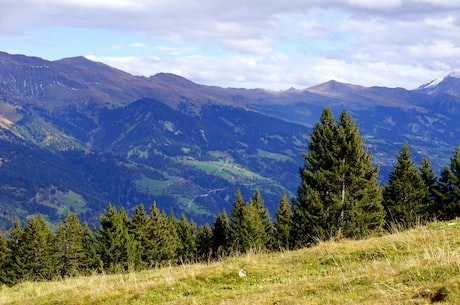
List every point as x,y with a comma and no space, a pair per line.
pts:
361,209
164,240
236,222
140,223
452,208
38,249
405,195
116,246
311,209
3,260
70,252
339,192
283,224
221,235
433,204
252,229
186,250
448,197
264,215
15,269
91,261
204,244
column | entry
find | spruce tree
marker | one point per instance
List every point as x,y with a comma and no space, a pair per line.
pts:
164,240
264,215
3,260
91,259
252,230
15,264
236,222
248,231
311,209
283,223
445,196
70,252
140,223
361,209
339,192
405,195
448,186
452,208
131,248
204,245
116,246
186,251
38,248
221,235
433,206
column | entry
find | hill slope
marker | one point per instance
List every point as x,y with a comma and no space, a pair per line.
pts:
420,266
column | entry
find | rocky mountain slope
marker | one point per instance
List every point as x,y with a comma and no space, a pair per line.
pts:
76,134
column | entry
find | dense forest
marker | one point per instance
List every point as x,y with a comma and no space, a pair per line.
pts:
339,196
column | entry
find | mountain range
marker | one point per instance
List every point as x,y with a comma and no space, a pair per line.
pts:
77,134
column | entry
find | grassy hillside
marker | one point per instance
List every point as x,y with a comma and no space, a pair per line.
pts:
420,266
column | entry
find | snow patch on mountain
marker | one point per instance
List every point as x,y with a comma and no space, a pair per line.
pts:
454,75
433,83
437,81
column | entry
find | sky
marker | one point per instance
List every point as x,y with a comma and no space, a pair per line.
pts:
277,44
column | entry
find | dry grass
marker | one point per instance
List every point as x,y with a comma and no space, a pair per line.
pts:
420,266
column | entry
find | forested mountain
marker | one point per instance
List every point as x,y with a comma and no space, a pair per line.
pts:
76,134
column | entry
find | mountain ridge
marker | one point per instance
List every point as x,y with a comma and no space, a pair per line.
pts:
103,135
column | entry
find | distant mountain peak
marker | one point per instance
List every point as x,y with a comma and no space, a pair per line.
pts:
173,79
432,83
333,87
455,74
81,61
437,81
448,84
73,59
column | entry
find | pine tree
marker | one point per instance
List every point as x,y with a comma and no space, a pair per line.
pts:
361,209
444,197
434,209
311,209
38,248
70,252
221,235
187,240
116,246
91,259
252,229
140,223
452,209
339,192
236,222
3,261
448,186
204,243
405,195
264,215
15,262
164,240
247,226
283,223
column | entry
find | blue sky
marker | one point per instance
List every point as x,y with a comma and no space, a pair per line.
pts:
266,44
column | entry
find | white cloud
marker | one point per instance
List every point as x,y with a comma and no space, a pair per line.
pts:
137,45
275,44
373,4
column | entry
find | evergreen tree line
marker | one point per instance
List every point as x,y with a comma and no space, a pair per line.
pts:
339,196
